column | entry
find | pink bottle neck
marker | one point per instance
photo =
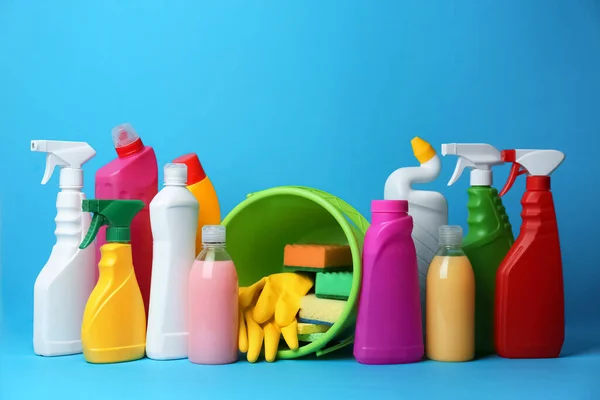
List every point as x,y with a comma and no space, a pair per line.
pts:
383,217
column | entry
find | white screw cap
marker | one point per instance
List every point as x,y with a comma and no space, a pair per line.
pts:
123,135
175,174
450,235
213,234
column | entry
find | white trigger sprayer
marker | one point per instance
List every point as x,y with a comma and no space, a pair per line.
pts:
480,157
69,155
66,281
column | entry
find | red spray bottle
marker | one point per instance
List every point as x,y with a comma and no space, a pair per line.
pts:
529,304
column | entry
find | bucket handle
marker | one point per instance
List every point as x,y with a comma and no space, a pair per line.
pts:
350,212
346,342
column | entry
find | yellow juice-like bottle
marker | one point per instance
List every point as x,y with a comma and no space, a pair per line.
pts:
203,190
114,321
450,301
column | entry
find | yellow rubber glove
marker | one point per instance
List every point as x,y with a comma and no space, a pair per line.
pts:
247,297
274,313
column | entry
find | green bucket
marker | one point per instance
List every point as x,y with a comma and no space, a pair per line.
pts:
260,226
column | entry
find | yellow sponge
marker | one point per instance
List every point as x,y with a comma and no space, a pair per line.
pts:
320,311
309,329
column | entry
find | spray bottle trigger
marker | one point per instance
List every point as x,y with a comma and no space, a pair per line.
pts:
460,167
97,221
516,170
52,161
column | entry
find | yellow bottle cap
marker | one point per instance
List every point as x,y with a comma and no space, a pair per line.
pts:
422,150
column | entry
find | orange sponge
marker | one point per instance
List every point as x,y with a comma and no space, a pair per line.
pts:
312,257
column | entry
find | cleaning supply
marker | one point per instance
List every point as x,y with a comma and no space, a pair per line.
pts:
114,321
202,188
173,217
213,302
490,234
268,310
312,257
428,209
309,329
530,309
66,281
389,326
314,310
259,228
132,176
333,285
310,337
450,301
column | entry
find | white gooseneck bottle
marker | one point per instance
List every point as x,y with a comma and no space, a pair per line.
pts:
174,219
64,284
429,209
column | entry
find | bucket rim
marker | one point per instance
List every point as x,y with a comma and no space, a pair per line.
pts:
347,226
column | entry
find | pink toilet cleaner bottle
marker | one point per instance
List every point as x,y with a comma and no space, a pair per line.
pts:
388,326
133,175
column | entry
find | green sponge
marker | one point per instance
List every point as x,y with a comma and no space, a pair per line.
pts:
333,285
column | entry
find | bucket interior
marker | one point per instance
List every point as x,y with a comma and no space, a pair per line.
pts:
257,236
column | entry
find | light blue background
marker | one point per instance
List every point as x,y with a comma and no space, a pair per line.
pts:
325,94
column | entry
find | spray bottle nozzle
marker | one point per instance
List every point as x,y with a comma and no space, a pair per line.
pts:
532,162
480,157
449,148
116,214
64,154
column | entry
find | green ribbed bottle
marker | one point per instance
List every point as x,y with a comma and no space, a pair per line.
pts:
488,240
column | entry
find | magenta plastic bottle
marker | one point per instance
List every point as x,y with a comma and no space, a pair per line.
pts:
388,326
133,175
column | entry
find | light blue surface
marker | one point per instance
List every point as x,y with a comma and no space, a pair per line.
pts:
325,94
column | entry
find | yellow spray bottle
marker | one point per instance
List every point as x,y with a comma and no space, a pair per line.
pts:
114,320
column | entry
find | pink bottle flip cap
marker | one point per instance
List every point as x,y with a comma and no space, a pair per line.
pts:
126,140
389,206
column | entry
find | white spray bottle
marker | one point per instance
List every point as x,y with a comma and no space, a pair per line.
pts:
64,284
429,209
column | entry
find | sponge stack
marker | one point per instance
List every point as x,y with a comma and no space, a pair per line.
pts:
314,257
320,311
333,285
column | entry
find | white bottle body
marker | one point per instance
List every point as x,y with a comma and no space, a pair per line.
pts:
174,219
429,210
65,283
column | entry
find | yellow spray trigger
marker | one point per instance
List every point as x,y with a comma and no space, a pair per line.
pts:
422,150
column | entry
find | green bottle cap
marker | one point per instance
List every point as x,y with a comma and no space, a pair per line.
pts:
115,214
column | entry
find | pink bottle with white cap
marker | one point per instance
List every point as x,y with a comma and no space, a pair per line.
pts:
133,175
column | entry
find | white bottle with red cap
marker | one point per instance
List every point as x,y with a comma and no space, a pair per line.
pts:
64,284
173,217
